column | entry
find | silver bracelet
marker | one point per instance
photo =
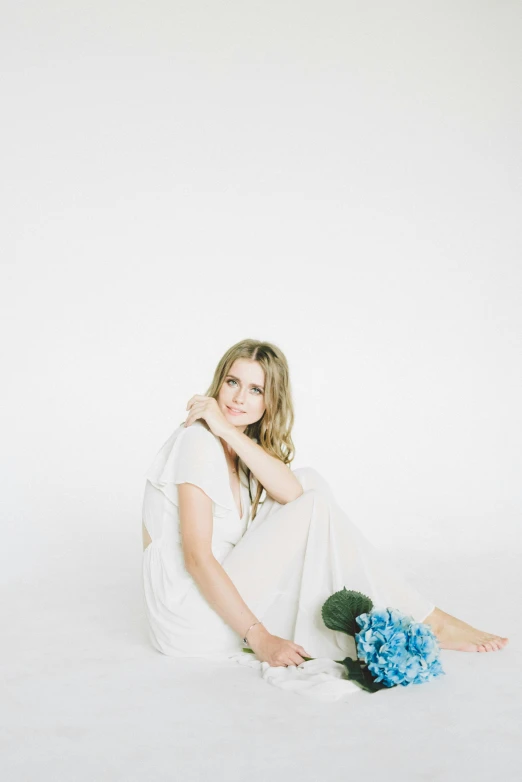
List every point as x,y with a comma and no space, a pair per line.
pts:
247,632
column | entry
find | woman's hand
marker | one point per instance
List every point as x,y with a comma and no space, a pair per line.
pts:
276,651
207,408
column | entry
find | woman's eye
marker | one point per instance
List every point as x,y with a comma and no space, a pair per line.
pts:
231,380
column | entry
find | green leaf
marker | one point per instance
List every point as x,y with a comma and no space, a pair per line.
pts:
341,608
358,672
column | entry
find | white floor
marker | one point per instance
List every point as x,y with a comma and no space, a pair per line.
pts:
84,696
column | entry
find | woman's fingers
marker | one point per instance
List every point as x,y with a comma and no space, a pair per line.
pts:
194,412
297,657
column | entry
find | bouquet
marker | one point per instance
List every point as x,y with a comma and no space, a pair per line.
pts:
392,648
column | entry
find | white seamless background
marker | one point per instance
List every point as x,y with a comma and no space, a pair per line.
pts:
341,179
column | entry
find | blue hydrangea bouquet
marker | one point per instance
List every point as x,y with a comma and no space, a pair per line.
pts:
392,648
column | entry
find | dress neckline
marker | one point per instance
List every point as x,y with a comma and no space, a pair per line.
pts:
242,515
242,495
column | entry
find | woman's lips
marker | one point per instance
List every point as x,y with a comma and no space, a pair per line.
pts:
233,412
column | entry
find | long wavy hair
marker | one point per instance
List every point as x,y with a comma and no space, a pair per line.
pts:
274,428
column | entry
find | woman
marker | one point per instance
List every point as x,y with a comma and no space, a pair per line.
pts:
242,551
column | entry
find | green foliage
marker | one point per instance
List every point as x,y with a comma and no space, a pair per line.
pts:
341,608
357,671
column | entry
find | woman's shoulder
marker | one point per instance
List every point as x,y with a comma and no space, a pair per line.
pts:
191,455
188,442
200,425
197,432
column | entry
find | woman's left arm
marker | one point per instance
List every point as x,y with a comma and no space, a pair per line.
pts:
278,480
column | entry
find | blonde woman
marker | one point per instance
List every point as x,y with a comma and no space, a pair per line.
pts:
242,551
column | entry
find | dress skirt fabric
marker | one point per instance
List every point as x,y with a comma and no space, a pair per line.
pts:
290,559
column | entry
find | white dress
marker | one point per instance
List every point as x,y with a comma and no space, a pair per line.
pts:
285,564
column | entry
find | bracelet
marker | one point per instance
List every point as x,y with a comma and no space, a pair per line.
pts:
247,632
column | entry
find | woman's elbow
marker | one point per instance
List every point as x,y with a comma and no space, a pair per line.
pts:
196,561
296,494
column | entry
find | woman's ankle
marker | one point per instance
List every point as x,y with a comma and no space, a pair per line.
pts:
435,620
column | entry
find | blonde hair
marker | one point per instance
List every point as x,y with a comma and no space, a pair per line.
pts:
273,430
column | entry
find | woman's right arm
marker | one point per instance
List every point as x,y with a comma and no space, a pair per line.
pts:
221,593
217,587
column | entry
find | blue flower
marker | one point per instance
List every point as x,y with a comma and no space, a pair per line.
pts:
396,649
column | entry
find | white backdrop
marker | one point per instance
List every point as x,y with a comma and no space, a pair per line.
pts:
340,178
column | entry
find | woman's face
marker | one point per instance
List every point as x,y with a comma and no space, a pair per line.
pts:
243,390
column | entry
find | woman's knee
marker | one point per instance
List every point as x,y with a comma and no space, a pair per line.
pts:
314,498
310,478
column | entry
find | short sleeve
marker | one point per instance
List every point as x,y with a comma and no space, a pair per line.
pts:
192,455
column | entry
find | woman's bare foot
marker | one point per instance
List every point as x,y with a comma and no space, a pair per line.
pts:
453,633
